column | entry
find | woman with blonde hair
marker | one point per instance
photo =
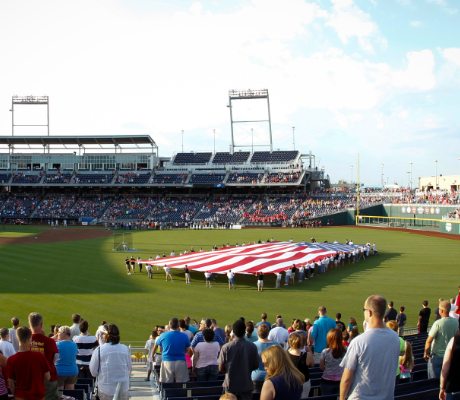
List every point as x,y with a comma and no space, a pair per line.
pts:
406,362
228,333
330,360
301,360
283,380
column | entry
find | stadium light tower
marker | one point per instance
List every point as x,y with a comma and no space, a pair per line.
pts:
214,140
382,174
351,176
436,173
30,101
182,141
249,94
410,175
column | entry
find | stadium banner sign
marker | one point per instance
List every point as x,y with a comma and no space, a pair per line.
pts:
237,227
84,223
219,185
403,210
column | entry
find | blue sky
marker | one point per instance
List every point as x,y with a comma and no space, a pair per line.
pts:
376,77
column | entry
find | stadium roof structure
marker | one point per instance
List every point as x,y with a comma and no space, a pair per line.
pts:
102,141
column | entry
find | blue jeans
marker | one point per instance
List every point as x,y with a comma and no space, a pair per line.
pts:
208,373
330,389
434,366
300,277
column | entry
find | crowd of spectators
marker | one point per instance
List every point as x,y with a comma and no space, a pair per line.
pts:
273,209
224,209
246,178
55,206
177,209
58,178
20,177
93,178
282,177
169,179
131,207
90,206
132,178
277,360
20,205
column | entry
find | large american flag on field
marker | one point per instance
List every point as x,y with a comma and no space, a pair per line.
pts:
266,257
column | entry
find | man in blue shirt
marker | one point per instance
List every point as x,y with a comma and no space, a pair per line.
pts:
264,321
173,345
205,323
318,337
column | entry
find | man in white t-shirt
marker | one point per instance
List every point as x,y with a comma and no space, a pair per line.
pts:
207,276
290,240
279,334
301,272
231,279
312,269
5,346
173,254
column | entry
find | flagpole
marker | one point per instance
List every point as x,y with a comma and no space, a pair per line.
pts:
357,202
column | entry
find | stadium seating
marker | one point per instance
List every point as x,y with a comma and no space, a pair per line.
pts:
192,158
131,178
273,209
231,159
283,177
265,157
55,206
20,205
5,178
26,178
91,206
177,209
207,178
57,178
224,209
245,178
130,207
169,179
93,178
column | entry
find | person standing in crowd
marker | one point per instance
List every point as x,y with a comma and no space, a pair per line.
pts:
5,346
287,277
391,313
173,346
436,312
278,279
424,317
27,371
3,378
279,334
339,323
318,336
331,357
75,328
207,277
264,321
133,264
284,381
205,363
187,275
111,364
148,267
128,265
440,334
168,273
237,360
402,348
260,281
372,358
66,366
301,272
217,330
13,337
302,360
401,320
450,374
47,346
206,323
140,264
101,331
86,344
258,375
231,279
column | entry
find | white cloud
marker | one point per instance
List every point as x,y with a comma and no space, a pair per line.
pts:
415,24
453,55
403,114
350,21
380,123
419,71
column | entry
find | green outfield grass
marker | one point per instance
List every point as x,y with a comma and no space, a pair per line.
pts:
87,277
